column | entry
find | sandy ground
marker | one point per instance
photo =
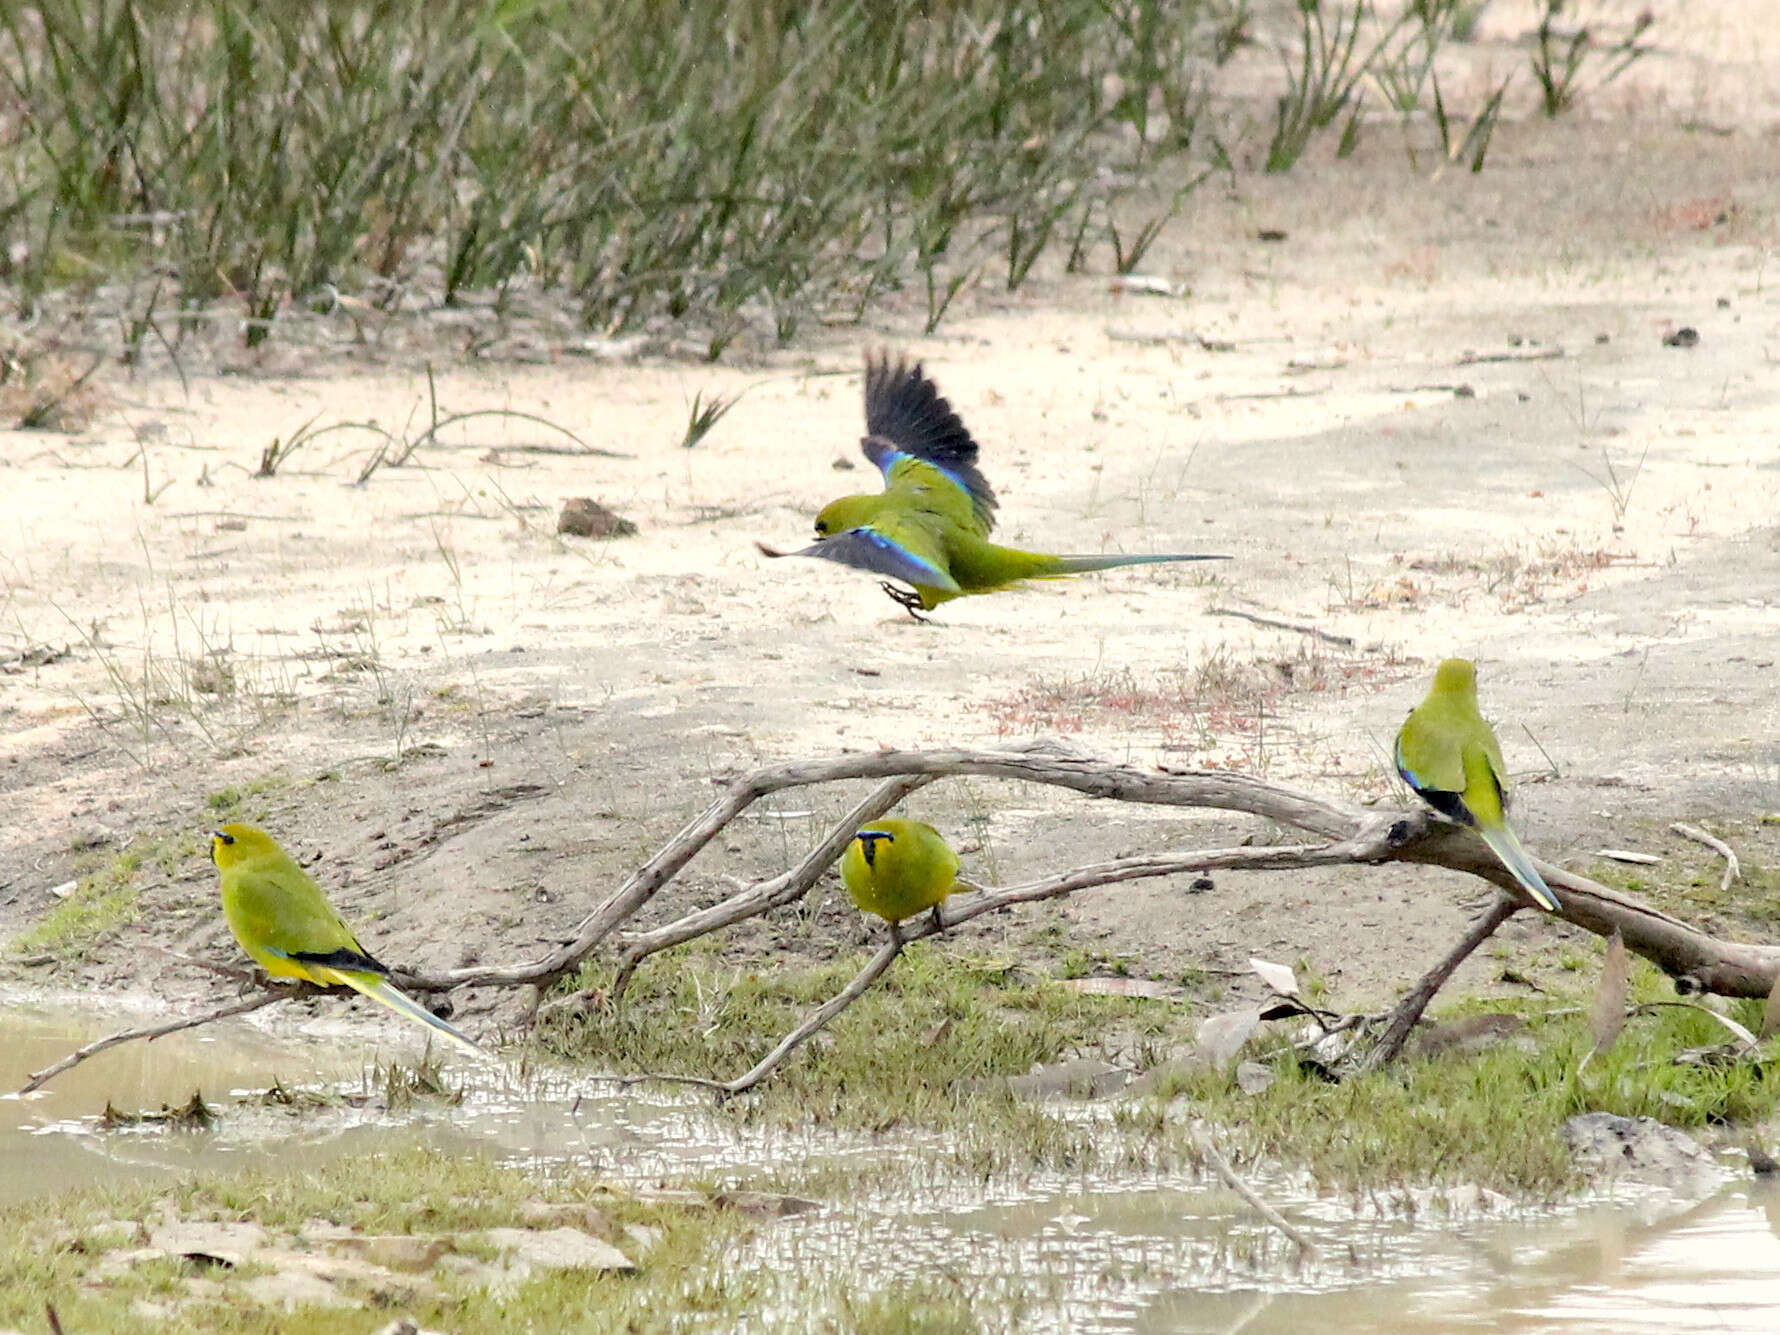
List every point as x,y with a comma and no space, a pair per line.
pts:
1438,418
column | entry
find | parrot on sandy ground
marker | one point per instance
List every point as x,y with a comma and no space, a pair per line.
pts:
279,915
897,868
929,527
1447,753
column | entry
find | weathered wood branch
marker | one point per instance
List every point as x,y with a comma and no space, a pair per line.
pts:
1696,959
152,1031
1408,1011
816,1019
763,896
1347,834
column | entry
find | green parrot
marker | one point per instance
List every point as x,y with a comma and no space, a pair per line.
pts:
1447,753
281,918
896,868
929,527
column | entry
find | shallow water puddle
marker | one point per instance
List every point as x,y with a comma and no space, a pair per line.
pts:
1190,1258
1046,1252
53,1140
50,1141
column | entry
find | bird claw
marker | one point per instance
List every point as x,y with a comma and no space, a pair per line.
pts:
909,601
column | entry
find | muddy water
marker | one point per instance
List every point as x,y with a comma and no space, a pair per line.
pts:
1066,1253
1189,1259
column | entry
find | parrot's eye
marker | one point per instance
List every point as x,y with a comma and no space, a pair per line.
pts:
821,528
222,838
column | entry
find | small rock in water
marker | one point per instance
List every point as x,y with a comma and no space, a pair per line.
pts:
1641,1149
558,1249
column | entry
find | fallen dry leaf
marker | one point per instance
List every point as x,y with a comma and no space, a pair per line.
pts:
1607,1017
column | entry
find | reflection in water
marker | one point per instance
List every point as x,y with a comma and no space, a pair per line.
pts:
1077,1253
50,1142
1603,1269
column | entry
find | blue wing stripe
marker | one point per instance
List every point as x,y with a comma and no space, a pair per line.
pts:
867,549
903,555
888,459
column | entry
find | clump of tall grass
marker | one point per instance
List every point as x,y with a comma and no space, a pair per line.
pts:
709,169
723,165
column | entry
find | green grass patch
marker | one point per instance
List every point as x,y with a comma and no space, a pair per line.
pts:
1493,1117
1688,881
51,1249
733,165
925,1050
720,166
107,895
236,801
69,1251
99,902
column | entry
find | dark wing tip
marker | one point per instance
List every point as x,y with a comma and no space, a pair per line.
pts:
1448,804
905,407
341,959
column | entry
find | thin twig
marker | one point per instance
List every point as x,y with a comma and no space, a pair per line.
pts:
41,1078
820,1017
1344,641
1519,355
1732,868
1409,1010
1221,1166
812,1024
1273,394
767,895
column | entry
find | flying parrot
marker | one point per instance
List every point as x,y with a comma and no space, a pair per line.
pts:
279,915
1447,753
929,527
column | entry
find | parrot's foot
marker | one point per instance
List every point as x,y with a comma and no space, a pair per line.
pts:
939,919
909,600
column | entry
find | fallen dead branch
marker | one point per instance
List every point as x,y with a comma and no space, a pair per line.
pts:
1343,834
1732,868
152,1031
1221,1166
1408,1012
1348,834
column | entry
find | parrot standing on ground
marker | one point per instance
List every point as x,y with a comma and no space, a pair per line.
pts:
1447,753
896,868
279,915
929,527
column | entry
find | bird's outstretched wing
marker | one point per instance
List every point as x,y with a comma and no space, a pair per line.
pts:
912,430
905,552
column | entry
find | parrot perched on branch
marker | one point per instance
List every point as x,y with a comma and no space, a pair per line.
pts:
929,527
896,868
279,915
1447,753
